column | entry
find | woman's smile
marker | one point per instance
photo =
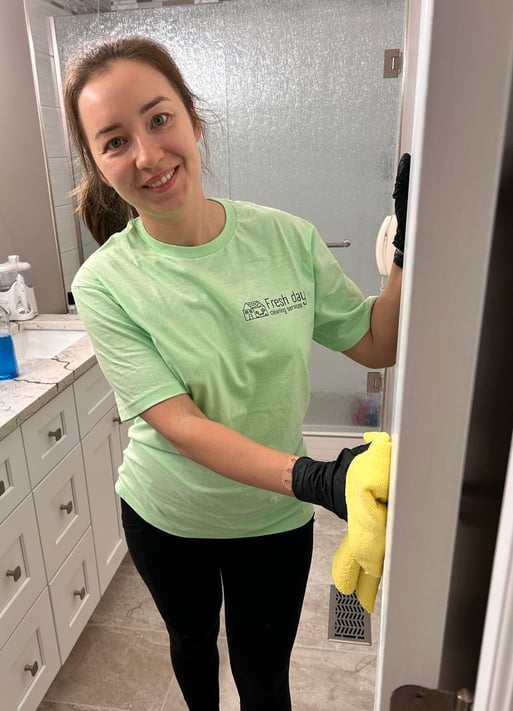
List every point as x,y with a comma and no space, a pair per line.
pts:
163,183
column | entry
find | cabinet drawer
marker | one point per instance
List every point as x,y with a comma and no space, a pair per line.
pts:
30,659
75,592
14,478
94,398
62,509
50,434
22,575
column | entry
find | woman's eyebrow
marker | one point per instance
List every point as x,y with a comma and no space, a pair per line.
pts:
146,107
153,103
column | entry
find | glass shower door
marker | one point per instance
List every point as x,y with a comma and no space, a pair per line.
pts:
313,129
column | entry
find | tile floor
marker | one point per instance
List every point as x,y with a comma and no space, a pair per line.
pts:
121,661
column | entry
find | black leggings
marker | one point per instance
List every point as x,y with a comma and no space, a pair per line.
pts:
263,580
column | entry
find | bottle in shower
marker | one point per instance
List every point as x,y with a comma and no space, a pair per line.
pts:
8,362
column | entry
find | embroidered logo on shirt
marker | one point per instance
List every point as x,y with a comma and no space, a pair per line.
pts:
254,309
272,306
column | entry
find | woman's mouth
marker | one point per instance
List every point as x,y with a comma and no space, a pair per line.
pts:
161,182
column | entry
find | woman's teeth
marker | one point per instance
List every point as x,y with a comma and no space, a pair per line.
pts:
162,181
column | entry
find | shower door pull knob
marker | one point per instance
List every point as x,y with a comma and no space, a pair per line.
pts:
335,245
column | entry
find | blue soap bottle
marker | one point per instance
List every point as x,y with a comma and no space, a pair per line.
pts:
8,362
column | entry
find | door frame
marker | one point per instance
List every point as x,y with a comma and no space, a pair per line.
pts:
463,86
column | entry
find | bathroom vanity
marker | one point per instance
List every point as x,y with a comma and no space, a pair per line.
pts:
61,538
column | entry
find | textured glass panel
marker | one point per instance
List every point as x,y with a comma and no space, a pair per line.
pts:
313,130
302,120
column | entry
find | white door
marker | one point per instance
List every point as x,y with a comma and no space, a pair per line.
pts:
463,90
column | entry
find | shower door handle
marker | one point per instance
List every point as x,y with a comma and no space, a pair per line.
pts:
335,245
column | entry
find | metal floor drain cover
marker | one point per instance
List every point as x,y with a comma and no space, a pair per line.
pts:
348,621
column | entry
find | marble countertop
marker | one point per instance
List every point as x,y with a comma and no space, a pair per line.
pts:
41,380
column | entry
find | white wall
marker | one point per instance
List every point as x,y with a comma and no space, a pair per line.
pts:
26,222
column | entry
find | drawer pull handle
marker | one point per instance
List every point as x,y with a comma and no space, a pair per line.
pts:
56,433
14,574
32,668
2,487
80,593
67,507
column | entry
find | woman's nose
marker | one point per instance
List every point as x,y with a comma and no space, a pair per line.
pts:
148,153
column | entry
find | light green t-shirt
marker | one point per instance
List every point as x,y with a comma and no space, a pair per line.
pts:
231,324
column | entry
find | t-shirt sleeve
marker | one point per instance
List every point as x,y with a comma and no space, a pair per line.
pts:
342,313
126,354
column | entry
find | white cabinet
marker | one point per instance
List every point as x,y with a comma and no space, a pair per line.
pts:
30,659
14,478
102,457
62,509
74,592
22,574
49,434
93,397
61,538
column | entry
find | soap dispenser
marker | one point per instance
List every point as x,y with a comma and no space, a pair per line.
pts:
8,362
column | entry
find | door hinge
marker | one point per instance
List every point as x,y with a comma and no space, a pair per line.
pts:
374,381
393,63
418,698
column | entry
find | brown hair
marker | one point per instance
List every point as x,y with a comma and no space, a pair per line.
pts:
101,208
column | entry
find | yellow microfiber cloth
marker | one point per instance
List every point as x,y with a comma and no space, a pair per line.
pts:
358,561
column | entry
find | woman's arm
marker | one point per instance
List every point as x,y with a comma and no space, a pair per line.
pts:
377,349
218,447
237,457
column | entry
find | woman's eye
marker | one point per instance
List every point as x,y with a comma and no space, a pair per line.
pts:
114,144
160,120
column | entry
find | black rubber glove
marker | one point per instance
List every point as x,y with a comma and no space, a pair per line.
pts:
324,483
400,196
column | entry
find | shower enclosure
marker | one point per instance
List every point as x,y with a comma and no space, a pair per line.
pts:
302,119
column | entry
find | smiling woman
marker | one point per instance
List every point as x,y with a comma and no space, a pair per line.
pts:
202,314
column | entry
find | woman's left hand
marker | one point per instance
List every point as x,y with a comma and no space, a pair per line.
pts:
400,196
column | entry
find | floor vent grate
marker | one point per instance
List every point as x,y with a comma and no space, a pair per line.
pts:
348,621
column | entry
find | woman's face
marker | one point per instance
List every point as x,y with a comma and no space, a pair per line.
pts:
142,139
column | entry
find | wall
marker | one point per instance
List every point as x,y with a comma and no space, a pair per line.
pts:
56,144
26,221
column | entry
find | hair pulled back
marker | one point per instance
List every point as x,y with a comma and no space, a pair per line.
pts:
101,208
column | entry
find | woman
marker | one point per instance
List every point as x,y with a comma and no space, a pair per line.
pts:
201,313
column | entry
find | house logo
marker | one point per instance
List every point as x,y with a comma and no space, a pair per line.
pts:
254,309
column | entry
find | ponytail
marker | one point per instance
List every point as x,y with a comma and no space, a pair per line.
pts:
102,210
